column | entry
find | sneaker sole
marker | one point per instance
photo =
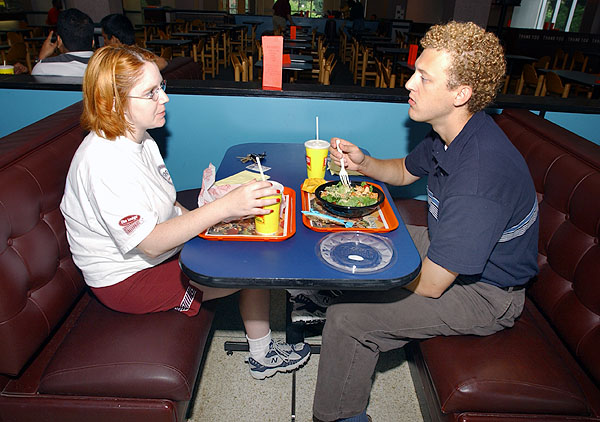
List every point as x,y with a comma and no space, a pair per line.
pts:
308,319
272,371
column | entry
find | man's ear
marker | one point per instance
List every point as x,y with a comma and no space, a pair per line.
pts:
463,95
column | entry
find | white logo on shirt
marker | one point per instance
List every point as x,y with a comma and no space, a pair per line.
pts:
162,169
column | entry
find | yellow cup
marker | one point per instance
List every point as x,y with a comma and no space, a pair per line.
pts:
316,158
268,224
7,70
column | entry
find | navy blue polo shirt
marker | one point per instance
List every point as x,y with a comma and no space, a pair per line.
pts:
482,204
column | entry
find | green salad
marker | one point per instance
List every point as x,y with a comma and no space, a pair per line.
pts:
354,196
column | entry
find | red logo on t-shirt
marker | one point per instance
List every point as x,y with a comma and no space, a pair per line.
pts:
130,223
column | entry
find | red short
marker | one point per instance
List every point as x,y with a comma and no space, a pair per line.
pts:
155,289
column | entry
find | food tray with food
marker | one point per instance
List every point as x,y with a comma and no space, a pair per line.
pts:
244,230
316,217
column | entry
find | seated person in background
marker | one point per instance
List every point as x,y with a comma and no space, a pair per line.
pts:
52,18
74,40
118,29
124,226
480,247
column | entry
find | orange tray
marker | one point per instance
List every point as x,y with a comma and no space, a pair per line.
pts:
244,230
383,218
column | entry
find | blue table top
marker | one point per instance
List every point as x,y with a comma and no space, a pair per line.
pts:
291,263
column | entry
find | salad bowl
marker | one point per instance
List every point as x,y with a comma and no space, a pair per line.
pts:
346,210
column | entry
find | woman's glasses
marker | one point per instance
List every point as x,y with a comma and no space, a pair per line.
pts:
153,95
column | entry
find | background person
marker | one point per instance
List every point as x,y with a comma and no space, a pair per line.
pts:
75,42
52,18
118,29
480,246
124,226
282,13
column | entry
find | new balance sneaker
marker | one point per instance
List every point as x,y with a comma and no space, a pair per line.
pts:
280,357
310,307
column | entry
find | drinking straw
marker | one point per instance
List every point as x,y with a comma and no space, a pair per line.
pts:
262,175
317,118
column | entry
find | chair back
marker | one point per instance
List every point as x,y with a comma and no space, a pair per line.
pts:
578,62
554,85
560,59
542,63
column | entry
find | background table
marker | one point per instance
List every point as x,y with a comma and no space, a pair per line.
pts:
292,263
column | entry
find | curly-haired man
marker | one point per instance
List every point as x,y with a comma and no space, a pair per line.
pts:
480,246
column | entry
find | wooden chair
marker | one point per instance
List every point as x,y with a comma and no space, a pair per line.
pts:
385,77
211,64
578,62
560,59
530,79
199,55
258,50
247,66
237,41
368,70
542,63
223,50
354,58
554,85
237,68
17,51
327,66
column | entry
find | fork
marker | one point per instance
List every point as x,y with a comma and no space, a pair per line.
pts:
344,178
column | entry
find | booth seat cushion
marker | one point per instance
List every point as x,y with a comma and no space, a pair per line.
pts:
524,370
108,353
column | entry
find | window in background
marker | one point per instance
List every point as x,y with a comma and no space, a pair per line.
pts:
565,15
234,6
307,8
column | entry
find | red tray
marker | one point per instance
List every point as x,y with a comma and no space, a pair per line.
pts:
384,217
244,230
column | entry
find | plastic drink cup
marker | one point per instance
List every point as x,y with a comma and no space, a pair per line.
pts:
268,224
316,158
7,69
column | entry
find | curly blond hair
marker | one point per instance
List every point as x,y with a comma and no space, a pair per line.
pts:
477,59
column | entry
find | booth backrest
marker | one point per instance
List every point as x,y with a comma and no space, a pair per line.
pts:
566,173
39,282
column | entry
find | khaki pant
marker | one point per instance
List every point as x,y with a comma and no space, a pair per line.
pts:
363,324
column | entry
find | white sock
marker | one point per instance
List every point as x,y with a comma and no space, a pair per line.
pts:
259,346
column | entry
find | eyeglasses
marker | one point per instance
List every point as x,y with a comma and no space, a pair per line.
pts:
153,95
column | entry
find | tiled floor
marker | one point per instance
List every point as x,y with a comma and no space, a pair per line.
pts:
227,392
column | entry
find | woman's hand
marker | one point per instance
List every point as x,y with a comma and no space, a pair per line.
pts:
246,200
354,158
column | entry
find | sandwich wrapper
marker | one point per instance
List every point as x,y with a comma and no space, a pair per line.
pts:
212,190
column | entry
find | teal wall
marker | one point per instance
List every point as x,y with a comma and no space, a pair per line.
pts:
22,107
585,125
199,129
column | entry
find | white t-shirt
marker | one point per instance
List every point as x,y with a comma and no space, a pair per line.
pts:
116,192
67,64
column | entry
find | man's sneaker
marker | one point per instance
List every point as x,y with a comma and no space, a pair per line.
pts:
280,357
310,307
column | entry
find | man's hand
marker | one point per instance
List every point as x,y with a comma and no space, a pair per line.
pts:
49,47
353,156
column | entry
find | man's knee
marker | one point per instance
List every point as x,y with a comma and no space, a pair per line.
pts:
338,315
